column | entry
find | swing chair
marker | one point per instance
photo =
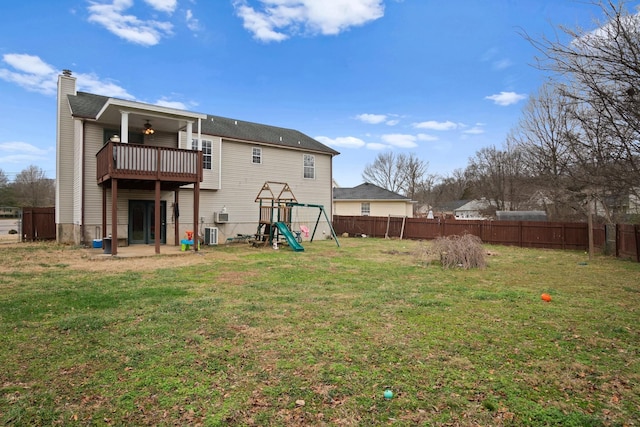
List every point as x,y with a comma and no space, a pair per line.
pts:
305,229
302,225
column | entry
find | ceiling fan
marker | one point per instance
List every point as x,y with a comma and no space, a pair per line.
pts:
148,130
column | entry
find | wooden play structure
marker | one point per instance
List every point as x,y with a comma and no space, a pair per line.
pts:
277,201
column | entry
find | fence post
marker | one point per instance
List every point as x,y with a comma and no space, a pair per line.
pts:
520,232
636,229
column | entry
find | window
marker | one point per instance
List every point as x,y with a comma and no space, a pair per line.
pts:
309,169
206,152
365,209
256,156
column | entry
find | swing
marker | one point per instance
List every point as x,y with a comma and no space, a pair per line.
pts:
303,228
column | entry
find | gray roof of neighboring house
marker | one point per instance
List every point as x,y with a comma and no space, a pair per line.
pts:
450,206
474,205
366,191
88,105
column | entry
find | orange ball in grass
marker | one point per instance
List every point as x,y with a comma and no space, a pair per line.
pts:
545,297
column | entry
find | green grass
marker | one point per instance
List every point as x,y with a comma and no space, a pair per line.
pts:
245,335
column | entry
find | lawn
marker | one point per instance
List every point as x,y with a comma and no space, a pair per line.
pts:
253,336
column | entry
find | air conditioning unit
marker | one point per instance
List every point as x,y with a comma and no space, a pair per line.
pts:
221,217
211,235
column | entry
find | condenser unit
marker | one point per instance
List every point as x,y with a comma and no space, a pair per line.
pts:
221,217
211,236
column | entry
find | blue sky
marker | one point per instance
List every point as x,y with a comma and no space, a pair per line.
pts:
434,78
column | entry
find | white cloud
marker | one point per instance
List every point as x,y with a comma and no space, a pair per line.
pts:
425,137
30,72
373,119
129,27
167,6
35,75
22,152
502,64
342,141
433,125
164,102
475,130
506,98
93,84
29,64
277,20
400,140
376,119
192,23
377,146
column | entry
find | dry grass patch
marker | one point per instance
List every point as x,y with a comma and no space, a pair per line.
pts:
245,336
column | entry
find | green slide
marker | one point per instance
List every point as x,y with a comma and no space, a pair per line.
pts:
291,240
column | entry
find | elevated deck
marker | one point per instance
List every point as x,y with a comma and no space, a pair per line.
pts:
140,166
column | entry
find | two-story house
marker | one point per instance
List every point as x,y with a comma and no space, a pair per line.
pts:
145,174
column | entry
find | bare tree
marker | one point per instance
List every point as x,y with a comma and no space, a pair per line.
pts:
455,186
544,133
32,188
6,191
599,73
400,173
416,178
499,176
386,171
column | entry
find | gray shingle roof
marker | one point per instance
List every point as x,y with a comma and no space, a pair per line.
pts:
248,131
88,105
366,191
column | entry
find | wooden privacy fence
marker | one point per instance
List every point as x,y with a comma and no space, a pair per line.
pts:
628,241
533,234
38,224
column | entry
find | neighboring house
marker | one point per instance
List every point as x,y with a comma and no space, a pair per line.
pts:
447,210
124,166
473,209
370,200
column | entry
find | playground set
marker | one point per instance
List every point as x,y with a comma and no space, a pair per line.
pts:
275,221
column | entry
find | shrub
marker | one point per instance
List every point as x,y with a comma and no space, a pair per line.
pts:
455,252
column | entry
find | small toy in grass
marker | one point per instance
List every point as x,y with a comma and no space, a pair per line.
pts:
545,297
388,394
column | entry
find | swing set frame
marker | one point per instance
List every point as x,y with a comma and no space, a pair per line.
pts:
278,208
320,213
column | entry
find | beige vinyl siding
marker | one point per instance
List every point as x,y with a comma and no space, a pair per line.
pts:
211,177
242,180
77,172
65,157
92,192
377,207
158,139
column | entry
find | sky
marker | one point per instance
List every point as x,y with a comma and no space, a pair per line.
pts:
437,79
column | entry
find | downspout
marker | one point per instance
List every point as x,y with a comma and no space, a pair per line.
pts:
82,181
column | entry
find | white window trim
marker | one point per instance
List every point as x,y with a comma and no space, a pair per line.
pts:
194,142
253,156
304,166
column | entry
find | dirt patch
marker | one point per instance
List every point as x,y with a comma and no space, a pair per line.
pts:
41,256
